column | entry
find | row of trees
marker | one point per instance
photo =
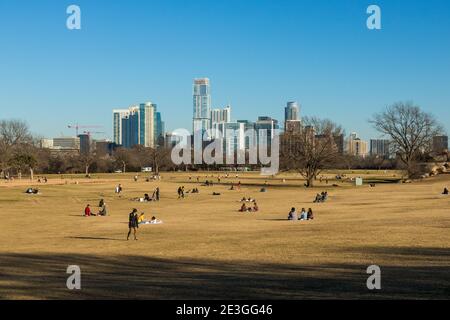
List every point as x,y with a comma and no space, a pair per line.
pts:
314,149
20,153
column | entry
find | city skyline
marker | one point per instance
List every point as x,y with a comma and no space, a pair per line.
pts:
327,60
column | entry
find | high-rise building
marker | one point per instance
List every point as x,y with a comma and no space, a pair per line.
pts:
379,148
139,125
440,144
85,144
160,128
269,125
357,147
221,115
292,117
118,115
202,105
147,126
292,111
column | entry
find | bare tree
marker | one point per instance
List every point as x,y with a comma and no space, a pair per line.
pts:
122,158
410,130
13,133
312,149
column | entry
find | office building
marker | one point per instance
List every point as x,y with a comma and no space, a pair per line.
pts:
440,144
266,125
139,125
292,122
379,148
202,105
85,144
357,147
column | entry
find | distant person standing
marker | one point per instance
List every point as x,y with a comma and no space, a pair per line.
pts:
119,189
157,194
133,224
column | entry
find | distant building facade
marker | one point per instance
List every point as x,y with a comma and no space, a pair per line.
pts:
292,121
440,144
379,148
357,147
201,105
138,125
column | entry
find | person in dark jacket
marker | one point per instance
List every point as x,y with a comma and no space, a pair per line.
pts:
133,223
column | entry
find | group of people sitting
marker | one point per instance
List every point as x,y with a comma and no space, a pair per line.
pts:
101,211
321,197
141,219
303,215
44,180
154,197
245,208
445,191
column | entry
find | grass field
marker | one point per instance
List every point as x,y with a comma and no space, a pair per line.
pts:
206,249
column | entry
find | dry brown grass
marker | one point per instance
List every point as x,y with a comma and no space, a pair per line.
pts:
206,249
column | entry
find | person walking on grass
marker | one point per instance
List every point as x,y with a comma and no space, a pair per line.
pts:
133,224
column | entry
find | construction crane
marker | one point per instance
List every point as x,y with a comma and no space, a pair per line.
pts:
77,127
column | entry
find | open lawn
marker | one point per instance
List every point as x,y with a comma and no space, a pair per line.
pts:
207,249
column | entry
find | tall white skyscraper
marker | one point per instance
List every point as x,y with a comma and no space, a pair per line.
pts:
202,105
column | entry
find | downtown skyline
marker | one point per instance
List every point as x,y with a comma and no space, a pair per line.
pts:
319,54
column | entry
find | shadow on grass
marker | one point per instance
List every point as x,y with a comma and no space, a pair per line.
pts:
43,276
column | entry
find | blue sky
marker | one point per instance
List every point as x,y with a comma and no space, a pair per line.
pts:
259,54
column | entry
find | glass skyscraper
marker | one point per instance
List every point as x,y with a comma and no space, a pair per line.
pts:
138,125
202,105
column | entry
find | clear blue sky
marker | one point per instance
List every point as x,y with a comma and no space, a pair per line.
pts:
259,54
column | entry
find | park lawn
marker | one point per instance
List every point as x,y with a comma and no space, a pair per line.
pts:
207,249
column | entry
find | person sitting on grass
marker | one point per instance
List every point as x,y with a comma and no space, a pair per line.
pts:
255,207
310,215
243,208
303,215
141,218
155,221
32,191
103,212
147,198
319,198
445,191
292,214
87,211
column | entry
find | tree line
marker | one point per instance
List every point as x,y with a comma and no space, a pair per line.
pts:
310,151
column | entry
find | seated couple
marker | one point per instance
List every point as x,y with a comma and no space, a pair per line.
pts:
321,197
304,215
141,220
102,211
244,208
445,191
